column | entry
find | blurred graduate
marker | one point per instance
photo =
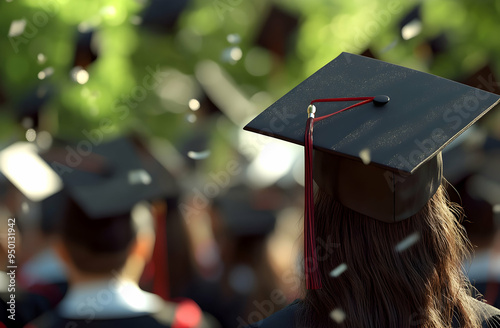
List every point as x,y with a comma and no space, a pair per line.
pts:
106,237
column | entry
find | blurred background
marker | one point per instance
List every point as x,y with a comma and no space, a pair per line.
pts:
178,80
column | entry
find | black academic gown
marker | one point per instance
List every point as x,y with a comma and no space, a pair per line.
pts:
54,320
287,316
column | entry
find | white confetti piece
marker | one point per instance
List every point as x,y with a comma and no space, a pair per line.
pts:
139,177
198,154
17,27
338,270
337,315
365,156
407,242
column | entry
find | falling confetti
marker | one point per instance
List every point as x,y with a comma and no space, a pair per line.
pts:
411,30
45,73
197,155
194,104
407,242
364,154
140,176
233,38
390,46
338,270
337,315
17,27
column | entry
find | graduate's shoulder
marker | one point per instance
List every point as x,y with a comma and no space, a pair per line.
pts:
283,318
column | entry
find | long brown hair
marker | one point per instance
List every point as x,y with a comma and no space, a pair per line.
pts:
385,285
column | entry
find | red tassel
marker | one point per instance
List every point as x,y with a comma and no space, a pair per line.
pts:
312,273
313,279
160,254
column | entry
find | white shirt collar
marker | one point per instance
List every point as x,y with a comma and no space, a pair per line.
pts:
108,299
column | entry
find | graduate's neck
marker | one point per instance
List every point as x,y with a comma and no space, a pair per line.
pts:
76,277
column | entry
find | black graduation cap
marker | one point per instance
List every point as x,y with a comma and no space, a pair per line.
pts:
85,51
382,158
109,180
439,44
277,31
484,78
368,53
32,102
162,16
242,213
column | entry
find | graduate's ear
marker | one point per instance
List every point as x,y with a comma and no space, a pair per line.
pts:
144,245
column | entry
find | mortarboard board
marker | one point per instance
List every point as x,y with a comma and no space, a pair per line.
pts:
109,180
382,158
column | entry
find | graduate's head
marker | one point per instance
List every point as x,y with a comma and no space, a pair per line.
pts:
373,134
104,245
97,245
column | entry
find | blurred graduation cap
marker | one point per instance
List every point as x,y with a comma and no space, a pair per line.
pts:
461,161
439,44
243,215
162,15
381,155
109,180
3,97
163,178
30,105
484,78
86,51
368,53
276,32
